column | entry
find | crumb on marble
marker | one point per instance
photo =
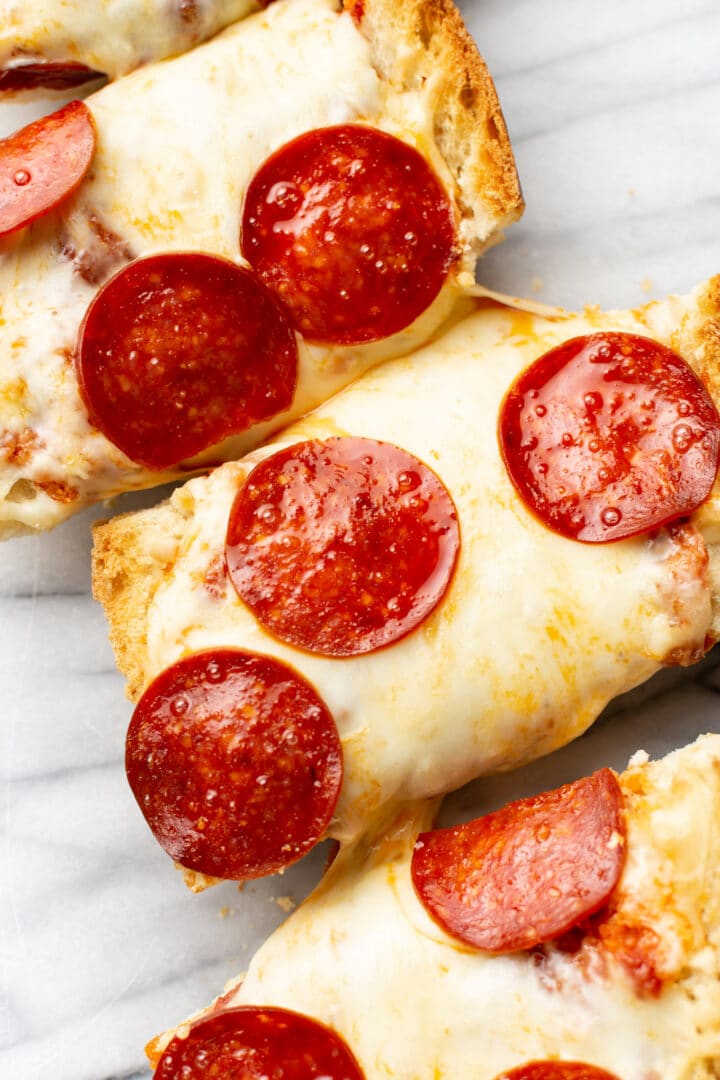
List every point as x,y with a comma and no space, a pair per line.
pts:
285,903
537,284
646,285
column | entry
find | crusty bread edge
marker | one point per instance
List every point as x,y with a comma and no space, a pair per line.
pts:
416,43
131,555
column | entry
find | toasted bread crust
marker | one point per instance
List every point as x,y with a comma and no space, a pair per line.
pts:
131,555
421,43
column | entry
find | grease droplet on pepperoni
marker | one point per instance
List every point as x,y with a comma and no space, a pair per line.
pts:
600,415
22,177
258,1043
611,516
682,437
352,229
317,575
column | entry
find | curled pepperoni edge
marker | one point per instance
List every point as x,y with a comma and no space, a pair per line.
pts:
258,1024
270,857
390,318
46,75
556,1070
312,635
163,451
544,509
43,163
508,921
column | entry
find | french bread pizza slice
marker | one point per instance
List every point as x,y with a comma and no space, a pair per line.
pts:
48,45
574,935
207,248
445,571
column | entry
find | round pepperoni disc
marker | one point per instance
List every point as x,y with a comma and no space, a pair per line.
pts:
46,75
610,435
343,546
556,1070
352,229
526,873
179,351
255,1043
235,762
43,163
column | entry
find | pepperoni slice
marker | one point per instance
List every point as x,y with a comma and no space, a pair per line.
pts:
235,762
343,546
43,163
352,229
179,351
46,75
526,873
608,436
254,1043
557,1070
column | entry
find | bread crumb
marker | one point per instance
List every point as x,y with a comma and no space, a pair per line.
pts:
537,284
285,903
631,192
646,285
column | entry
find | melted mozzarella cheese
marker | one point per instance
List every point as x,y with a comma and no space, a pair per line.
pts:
536,632
363,956
111,36
177,145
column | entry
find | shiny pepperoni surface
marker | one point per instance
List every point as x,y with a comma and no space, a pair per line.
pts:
179,351
255,1043
557,1070
343,546
529,872
352,229
608,436
46,75
235,762
43,163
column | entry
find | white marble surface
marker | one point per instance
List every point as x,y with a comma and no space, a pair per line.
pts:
614,110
